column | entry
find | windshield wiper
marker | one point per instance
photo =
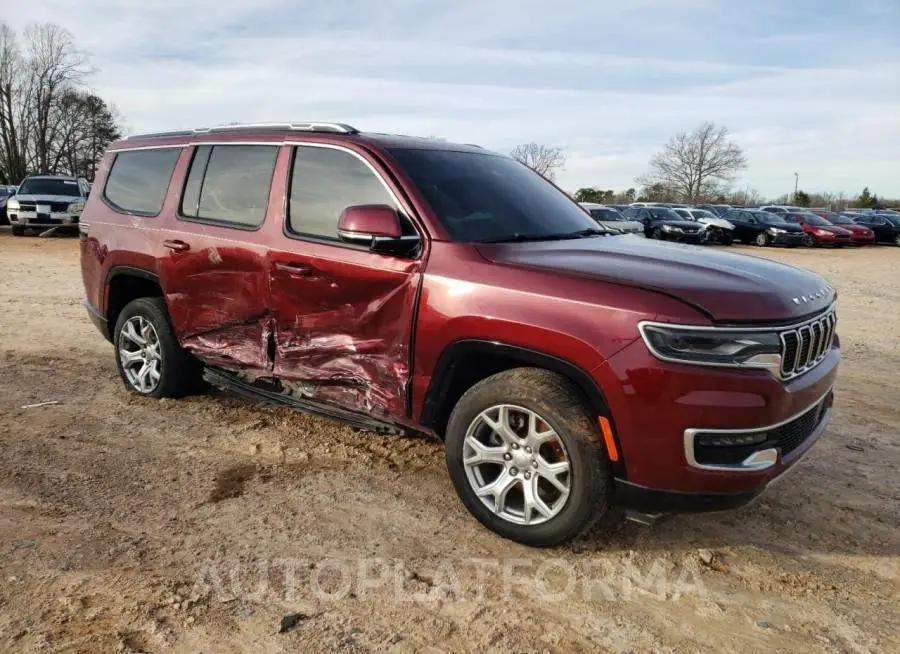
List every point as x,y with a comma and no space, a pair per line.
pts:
522,238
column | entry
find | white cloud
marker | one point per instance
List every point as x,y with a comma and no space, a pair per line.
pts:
607,81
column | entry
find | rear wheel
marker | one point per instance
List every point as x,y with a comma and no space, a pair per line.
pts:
148,356
762,239
524,457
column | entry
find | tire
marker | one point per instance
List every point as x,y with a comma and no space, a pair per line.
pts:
727,239
177,373
557,405
18,230
808,241
897,239
762,239
657,234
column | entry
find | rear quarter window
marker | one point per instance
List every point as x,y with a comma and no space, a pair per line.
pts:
138,180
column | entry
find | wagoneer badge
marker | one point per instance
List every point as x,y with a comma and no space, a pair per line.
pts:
805,299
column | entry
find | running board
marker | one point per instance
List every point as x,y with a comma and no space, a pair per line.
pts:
232,383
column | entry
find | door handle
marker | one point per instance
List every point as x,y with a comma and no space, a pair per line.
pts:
292,268
178,246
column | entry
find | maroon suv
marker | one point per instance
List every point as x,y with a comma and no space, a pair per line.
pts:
411,285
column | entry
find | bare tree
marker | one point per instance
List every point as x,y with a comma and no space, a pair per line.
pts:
542,159
55,66
15,125
697,164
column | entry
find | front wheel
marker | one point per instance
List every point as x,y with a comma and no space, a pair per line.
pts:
657,234
148,356
18,230
525,458
762,239
897,239
808,241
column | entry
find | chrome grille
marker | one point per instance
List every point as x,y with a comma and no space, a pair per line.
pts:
804,347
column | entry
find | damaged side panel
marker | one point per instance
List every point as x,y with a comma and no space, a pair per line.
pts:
343,329
218,298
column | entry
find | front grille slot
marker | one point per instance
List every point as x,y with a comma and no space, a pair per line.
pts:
804,347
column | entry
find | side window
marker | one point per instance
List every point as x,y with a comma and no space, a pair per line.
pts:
138,180
750,218
229,184
324,182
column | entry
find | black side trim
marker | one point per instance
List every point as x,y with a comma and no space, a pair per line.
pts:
269,392
115,271
99,320
654,501
442,380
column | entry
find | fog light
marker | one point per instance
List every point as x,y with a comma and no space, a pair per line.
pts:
730,440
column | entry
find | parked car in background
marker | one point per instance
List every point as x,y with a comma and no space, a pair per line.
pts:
818,230
664,224
718,230
416,286
764,228
886,229
860,234
612,219
46,201
717,209
5,193
774,208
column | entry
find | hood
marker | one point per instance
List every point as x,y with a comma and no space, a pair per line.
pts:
47,198
787,227
834,229
687,225
716,222
726,286
623,225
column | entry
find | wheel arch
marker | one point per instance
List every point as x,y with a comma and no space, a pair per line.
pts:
124,284
465,362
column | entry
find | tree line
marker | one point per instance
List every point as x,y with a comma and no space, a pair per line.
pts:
697,167
50,121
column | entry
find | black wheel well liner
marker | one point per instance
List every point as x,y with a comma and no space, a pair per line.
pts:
124,284
466,362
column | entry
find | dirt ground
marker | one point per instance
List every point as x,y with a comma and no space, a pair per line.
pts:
211,524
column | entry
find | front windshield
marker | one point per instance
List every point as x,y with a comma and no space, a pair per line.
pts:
665,214
891,219
813,219
606,214
703,213
49,186
486,197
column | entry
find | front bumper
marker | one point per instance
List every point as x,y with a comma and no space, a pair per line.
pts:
37,220
658,406
788,239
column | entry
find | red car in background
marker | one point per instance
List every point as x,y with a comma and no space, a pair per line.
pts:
818,230
860,234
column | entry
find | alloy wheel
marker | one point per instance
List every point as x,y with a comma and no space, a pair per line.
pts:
517,464
140,354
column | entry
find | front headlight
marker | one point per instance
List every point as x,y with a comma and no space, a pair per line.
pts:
12,204
713,347
76,207
670,228
775,230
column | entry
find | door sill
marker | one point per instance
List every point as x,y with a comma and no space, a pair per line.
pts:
267,391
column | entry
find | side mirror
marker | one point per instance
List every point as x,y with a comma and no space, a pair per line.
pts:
376,226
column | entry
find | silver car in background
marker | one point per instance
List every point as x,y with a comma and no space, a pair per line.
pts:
47,202
612,220
718,230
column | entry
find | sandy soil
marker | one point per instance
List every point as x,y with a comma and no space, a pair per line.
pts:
141,525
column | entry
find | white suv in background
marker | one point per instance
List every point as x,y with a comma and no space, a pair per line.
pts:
47,201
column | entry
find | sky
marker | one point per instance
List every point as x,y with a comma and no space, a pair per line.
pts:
805,86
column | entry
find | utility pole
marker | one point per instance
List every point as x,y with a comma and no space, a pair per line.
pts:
796,185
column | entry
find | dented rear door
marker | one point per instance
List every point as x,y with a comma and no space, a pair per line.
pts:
343,315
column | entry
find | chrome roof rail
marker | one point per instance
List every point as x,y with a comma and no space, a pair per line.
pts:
331,128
